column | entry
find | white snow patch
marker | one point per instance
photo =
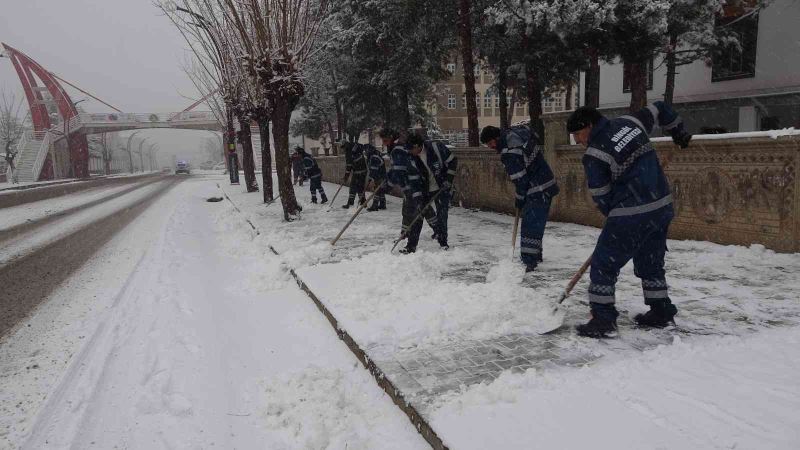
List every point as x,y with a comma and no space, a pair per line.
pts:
721,393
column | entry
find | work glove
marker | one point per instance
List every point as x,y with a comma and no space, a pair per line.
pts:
680,137
346,176
519,203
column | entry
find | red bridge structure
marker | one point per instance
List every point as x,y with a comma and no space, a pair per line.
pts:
57,146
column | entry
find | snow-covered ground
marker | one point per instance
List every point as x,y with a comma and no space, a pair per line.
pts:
457,331
29,212
185,332
717,393
27,242
8,187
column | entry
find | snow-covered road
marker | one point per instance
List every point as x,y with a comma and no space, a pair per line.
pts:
180,333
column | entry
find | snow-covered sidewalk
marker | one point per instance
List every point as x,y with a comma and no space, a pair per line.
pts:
457,332
184,333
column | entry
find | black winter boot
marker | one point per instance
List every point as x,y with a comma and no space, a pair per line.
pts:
374,207
314,200
661,315
324,199
407,250
347,205
603,323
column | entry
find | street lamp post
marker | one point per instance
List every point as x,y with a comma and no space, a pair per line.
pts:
141,158
128,149
151,160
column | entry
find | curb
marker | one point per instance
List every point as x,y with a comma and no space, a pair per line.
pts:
419,422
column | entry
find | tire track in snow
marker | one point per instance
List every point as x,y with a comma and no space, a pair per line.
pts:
28,280
17,230
81,380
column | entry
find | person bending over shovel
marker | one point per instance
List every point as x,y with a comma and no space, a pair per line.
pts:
311,172
409,175
522,153
629,187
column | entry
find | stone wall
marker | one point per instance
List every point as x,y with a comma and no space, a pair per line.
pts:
730,191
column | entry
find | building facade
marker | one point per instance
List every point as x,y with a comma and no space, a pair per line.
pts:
449,109
755,87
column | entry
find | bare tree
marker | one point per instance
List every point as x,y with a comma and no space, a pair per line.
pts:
275,42
11,128
465,35
215,71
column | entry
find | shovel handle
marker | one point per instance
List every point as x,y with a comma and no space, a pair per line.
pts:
575,278
514,235
358,211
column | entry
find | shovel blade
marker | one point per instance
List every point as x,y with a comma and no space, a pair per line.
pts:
551,322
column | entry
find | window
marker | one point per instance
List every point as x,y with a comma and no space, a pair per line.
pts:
451,101
451,67
477,70
478,99
626,84
553,103
737,60
464,100
487,101
497,101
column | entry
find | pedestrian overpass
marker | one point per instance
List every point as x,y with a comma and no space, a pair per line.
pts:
58,124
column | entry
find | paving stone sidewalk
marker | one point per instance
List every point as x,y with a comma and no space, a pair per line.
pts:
714,294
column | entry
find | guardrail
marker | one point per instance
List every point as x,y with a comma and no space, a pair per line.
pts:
23,141
185,116
44,149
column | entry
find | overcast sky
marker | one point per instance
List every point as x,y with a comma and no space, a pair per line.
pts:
122,51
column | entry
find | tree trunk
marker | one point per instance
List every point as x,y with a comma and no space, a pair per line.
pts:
465,36
280,126
248,164
513,106
592,82
404,103
502,87
534,88
568,98
332,138
337,103
387,111
228,137
266,160
637,76
669,90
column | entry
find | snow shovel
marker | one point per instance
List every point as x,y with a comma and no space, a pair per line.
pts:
428,205
358,211
514,235
337,192
556,313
